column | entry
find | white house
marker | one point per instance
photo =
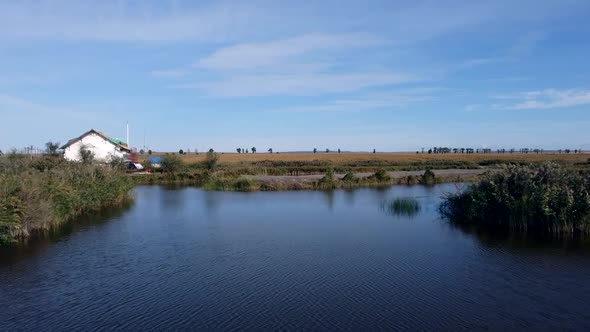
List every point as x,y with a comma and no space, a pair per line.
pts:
103,147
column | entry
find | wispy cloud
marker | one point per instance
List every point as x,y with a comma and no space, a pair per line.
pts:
307,84
124,21
302,66
256,56
375,101
546,99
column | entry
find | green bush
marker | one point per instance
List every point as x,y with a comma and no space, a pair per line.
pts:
36,198
349,177
545,198
381,176
328,181
428,178
171,164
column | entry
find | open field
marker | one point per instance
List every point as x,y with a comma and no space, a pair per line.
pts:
338,158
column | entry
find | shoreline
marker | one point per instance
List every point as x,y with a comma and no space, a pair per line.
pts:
363,175
328,181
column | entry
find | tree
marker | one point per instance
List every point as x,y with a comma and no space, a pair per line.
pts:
239,150
327,150
51,147
149,151
181,151
247,151
270,150
211,160
374,151
315,150
86,155
253,149
429,151
142,151
338,150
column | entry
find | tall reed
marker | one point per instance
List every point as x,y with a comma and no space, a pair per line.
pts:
545,198
36,196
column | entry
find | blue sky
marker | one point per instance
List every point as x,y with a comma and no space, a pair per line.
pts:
389,75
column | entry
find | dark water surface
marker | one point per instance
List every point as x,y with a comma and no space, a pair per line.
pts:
186,259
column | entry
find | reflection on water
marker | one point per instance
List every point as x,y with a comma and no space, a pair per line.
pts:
184,258
41,242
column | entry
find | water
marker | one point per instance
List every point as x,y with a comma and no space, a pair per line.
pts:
181,259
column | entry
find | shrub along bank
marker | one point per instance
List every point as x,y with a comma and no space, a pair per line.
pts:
36,196
546,198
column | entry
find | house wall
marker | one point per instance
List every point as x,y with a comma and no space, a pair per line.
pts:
103,150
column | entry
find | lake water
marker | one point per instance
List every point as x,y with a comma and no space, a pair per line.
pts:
186,259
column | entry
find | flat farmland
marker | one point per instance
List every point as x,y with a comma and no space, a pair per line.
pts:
393,158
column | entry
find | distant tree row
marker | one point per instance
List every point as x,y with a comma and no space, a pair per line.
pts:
52,148
445,150
242,150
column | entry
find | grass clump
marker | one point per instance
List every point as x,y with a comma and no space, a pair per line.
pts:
349,177
546,198
407,207
381,176
328,182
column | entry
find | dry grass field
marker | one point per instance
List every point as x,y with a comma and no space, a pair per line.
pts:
337,158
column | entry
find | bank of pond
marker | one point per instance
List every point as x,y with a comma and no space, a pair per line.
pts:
38,196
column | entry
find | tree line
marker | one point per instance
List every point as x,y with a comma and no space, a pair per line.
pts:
446,150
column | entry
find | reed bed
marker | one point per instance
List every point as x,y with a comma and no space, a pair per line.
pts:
37,196
547,198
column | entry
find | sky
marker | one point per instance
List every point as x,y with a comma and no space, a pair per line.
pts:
297,75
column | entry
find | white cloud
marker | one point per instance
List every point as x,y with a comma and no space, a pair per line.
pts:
280,52
364,103
547,99
124,21
310,64
300,85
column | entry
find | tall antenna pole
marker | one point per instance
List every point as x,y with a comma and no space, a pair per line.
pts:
128,143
